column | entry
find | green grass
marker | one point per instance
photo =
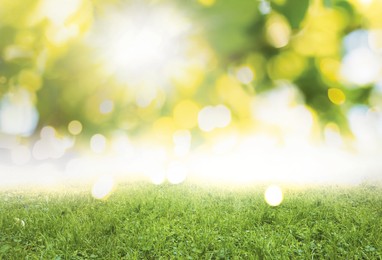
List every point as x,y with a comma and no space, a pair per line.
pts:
142,221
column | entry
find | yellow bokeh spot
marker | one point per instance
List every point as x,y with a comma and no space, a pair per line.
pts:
233,94
336,96
278,31
75,127
321,35
280,2
186,114
30,80
207,2
287,65
164,126
329,68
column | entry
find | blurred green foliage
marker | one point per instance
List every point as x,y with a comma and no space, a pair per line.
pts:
294,41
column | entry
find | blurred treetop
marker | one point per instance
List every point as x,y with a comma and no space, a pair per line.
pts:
143,65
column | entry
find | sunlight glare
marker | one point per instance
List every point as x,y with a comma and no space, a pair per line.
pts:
332,135
273,195
182,142
140,43
58,11
365,2
282,109
158,177
103,187
121,144
176,172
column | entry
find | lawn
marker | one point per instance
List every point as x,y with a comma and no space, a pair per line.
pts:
143,221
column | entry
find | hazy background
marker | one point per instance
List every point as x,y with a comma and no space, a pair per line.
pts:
217,91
